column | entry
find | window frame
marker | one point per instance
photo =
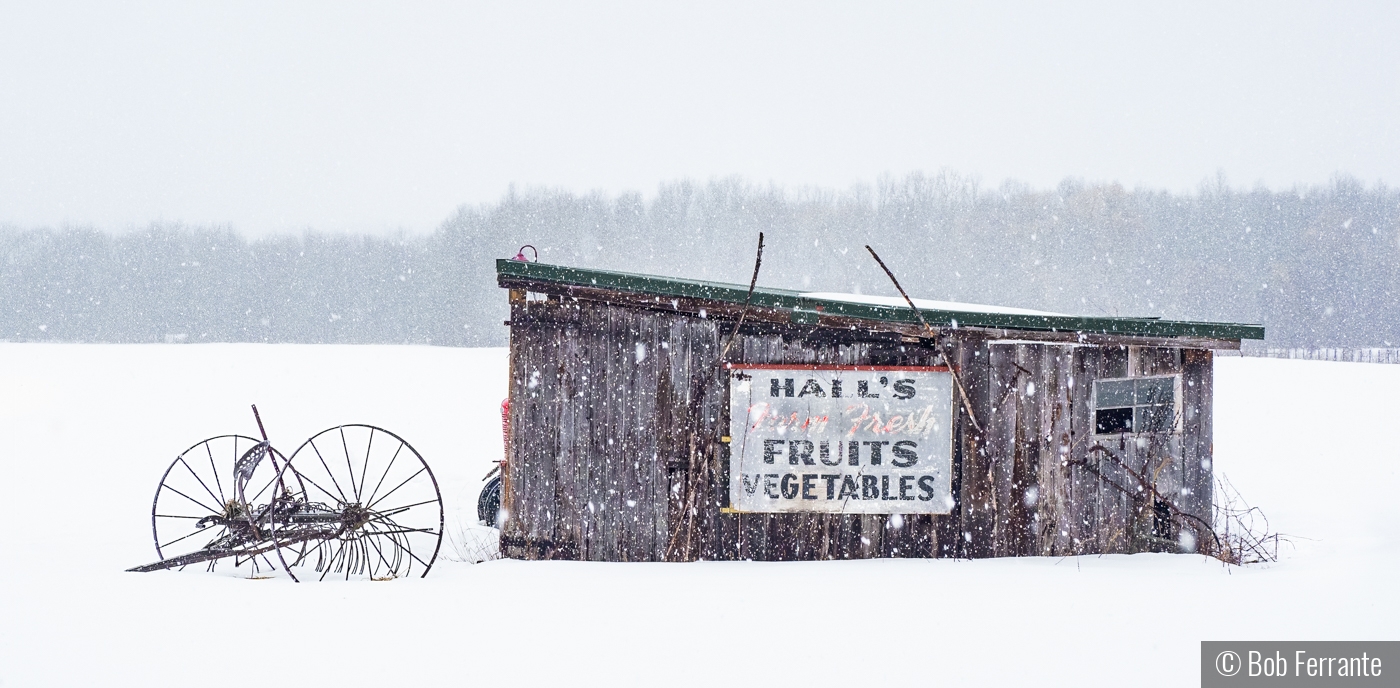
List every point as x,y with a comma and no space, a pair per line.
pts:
1178,421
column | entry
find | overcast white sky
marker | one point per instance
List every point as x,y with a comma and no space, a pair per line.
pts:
373,117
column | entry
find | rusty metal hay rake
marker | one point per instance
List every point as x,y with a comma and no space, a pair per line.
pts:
354,501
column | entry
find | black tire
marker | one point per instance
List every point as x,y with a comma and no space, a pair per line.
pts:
488,505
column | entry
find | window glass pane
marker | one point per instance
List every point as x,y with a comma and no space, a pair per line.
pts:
1155,390
1114,393
1155,418
1110,421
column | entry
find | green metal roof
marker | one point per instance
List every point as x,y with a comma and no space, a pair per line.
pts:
808,310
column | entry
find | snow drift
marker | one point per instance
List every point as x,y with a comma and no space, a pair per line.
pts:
87,429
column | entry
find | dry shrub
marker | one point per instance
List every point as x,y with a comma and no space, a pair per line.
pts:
1242,534
473,544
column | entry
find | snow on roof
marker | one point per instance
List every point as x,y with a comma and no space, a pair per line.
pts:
923,304
808,307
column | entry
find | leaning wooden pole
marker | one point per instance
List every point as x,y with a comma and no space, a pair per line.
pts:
748,301
967,403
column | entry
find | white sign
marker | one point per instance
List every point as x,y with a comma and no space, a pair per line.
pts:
840,439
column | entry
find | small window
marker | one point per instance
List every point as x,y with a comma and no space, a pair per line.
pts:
1142,404
1113,420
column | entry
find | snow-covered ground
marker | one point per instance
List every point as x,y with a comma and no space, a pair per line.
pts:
85,431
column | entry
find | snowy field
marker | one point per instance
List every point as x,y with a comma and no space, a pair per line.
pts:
86,430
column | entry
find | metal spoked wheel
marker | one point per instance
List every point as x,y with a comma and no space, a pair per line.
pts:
197,506
376,494
488,503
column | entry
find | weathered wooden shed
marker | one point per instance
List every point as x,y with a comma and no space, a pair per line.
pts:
1039,434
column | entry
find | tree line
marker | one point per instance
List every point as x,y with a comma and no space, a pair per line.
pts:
1318,266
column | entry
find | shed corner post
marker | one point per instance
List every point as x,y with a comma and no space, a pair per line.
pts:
509,525
1199,443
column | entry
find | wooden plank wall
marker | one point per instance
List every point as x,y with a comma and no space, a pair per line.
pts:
1042,446
617,413
591,470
